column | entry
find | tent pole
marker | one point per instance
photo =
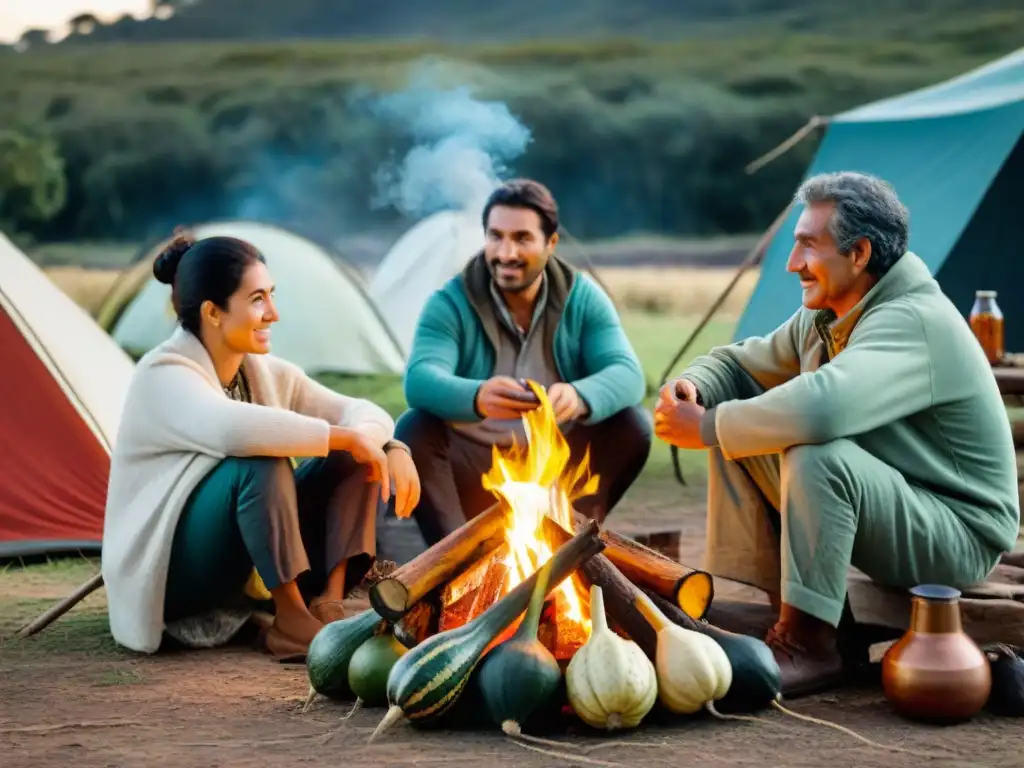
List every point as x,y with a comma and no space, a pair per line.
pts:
787,145
55,612
591,268
753,258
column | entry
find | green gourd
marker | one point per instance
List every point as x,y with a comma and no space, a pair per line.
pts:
520,675
330,652
370,666
756,677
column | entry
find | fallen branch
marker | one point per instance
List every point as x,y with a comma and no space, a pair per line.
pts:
65,605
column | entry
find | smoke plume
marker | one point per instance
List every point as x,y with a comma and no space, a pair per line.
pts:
462,148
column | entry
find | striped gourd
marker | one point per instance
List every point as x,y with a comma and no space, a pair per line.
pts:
427,681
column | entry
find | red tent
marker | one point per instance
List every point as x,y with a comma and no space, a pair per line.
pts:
61,392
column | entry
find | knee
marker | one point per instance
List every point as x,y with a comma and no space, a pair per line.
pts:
258,466
829,462
421,431
260,471
632,432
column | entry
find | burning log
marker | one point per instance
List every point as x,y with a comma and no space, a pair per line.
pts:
394,596
474,590
420,622
620,593
691,590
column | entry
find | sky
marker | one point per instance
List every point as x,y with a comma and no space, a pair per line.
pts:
18,15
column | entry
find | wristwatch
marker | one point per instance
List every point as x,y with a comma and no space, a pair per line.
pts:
393,444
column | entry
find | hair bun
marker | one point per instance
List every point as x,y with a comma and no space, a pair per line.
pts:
166,265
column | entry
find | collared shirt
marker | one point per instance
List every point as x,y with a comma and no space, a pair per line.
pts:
521,353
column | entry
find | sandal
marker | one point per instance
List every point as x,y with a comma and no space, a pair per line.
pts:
282,647
328,610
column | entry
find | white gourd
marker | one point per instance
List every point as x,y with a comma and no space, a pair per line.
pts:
692,668
610,682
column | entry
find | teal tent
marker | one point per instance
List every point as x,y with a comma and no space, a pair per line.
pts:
954,153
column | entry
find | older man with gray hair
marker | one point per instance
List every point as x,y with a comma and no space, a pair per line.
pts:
866,430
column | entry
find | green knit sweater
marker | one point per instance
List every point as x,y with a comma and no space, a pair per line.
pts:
453,351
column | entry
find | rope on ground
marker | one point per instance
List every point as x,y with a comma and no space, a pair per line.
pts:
69,726
864,739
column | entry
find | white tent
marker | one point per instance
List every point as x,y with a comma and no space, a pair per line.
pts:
328,323
424,259
61,395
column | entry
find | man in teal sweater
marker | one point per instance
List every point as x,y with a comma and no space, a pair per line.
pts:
866,430
518,313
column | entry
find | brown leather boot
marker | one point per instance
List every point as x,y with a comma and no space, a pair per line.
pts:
805,648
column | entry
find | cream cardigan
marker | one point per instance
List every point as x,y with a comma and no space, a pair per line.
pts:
177,424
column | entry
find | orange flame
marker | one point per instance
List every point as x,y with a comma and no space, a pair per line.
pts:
535,482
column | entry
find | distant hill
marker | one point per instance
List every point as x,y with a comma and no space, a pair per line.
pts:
471,20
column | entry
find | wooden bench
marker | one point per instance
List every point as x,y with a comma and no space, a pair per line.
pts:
992,612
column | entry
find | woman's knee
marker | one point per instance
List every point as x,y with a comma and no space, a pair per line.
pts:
259,470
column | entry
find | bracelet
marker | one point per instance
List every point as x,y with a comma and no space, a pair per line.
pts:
392,444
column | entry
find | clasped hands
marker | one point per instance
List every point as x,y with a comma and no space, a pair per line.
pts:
677,415
503,397
393,469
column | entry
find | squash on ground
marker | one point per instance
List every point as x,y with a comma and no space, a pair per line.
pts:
610,682
331,650
520,675
370,666
692,668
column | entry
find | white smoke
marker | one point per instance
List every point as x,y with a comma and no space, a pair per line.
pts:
462,149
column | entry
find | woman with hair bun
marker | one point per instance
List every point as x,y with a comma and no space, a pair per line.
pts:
203,489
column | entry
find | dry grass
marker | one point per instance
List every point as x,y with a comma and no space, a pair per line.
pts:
684,291
680,291
86,287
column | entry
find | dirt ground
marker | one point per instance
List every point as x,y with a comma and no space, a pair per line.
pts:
69,696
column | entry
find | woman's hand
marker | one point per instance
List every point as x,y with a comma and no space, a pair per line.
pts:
405,479
366,452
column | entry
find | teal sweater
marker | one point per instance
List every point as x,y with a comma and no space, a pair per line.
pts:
901,375
453,351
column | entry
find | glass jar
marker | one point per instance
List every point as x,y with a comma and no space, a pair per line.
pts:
986,321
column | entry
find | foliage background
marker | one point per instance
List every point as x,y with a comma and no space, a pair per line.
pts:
641,117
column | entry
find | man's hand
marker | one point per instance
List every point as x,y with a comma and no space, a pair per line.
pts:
502,397
679,389
677,415
566,402
405,480
366,452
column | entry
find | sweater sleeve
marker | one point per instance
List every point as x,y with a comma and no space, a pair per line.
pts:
311,398
747,368
883,375
430,380
217,426
617,381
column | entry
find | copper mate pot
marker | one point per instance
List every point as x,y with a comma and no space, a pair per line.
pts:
935,671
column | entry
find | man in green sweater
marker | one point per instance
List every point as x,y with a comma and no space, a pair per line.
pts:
866,430
517,312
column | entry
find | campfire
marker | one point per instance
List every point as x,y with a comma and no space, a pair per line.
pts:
535,487
531,482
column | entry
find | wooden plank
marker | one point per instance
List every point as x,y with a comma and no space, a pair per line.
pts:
992,612
1017,428
1010,380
